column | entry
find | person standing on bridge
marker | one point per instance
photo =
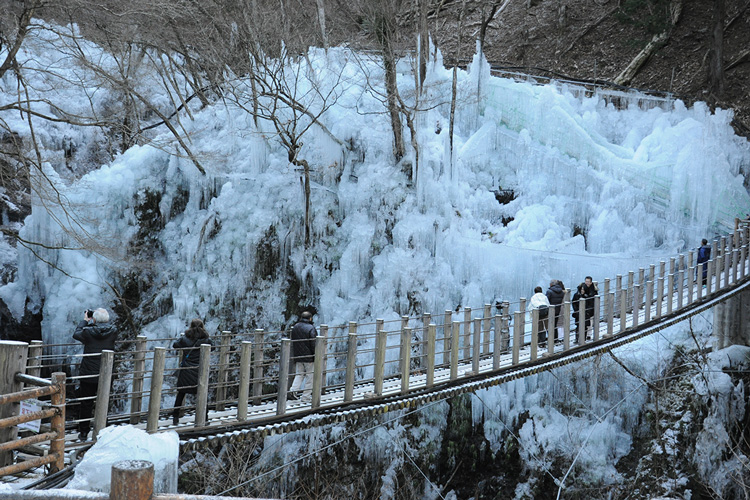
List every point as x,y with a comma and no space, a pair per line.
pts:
541,302
704,255
303,355
96,334
556,295
187,380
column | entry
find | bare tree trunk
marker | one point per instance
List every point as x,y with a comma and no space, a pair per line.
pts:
716,54
308,221
424,43
454,87
322,22
657,42
23,26
391,90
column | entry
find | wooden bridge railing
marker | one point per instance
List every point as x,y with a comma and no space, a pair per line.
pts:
13,359
250,369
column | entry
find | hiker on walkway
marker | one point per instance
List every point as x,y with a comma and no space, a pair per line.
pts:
96,334
540,302
704,255
556,295
187,380
303,355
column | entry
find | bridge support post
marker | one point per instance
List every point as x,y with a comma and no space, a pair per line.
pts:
201,404
351,362
497,349
659,296
486,328
455,337
691,276
534,334
476,345
681,282
13,357
405,357
244,390
623,311
581,333
57,423
223,372
284,356
257,366
380,345
637,298
597,316
139,367
102,391
518,328
317,388
727,257
154,398
649,295
710,276
430,362
566,319
447,325
670,285
618,295
505,333
466,353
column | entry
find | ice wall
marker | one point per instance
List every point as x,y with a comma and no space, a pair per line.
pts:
639,184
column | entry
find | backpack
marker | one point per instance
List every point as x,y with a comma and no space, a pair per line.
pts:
543,311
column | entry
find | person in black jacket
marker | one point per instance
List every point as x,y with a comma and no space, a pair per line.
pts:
586,291
704,255
96,334
303,355
187,380
555,295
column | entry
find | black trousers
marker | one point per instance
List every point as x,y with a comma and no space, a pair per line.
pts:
87,389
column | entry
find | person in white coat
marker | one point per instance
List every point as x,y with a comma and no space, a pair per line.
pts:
540,301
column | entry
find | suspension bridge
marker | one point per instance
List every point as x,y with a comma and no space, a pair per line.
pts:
360,369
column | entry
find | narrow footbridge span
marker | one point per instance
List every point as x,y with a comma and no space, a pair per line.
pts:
364,369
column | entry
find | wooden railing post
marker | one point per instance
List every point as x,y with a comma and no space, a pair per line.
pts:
681,281
204,369
659,296
709,276
534,334
649,295
57,423
623,310
351,362
421,338
257,366
486,325
102,391
497,342
244,391
132,480
405,358
223,371
317,388
727,256
581,333
743,251
476,345
13,359
466,353
518,328
596,319
505,332
447,325
608,307
157,381
630,290
284,358
715,270
637,299
670,285
691,277
566,319
139,369
618,294
455,337
323,332
380,346
430,362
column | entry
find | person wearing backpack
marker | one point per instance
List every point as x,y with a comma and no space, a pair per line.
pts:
704,255
187,380
540,301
